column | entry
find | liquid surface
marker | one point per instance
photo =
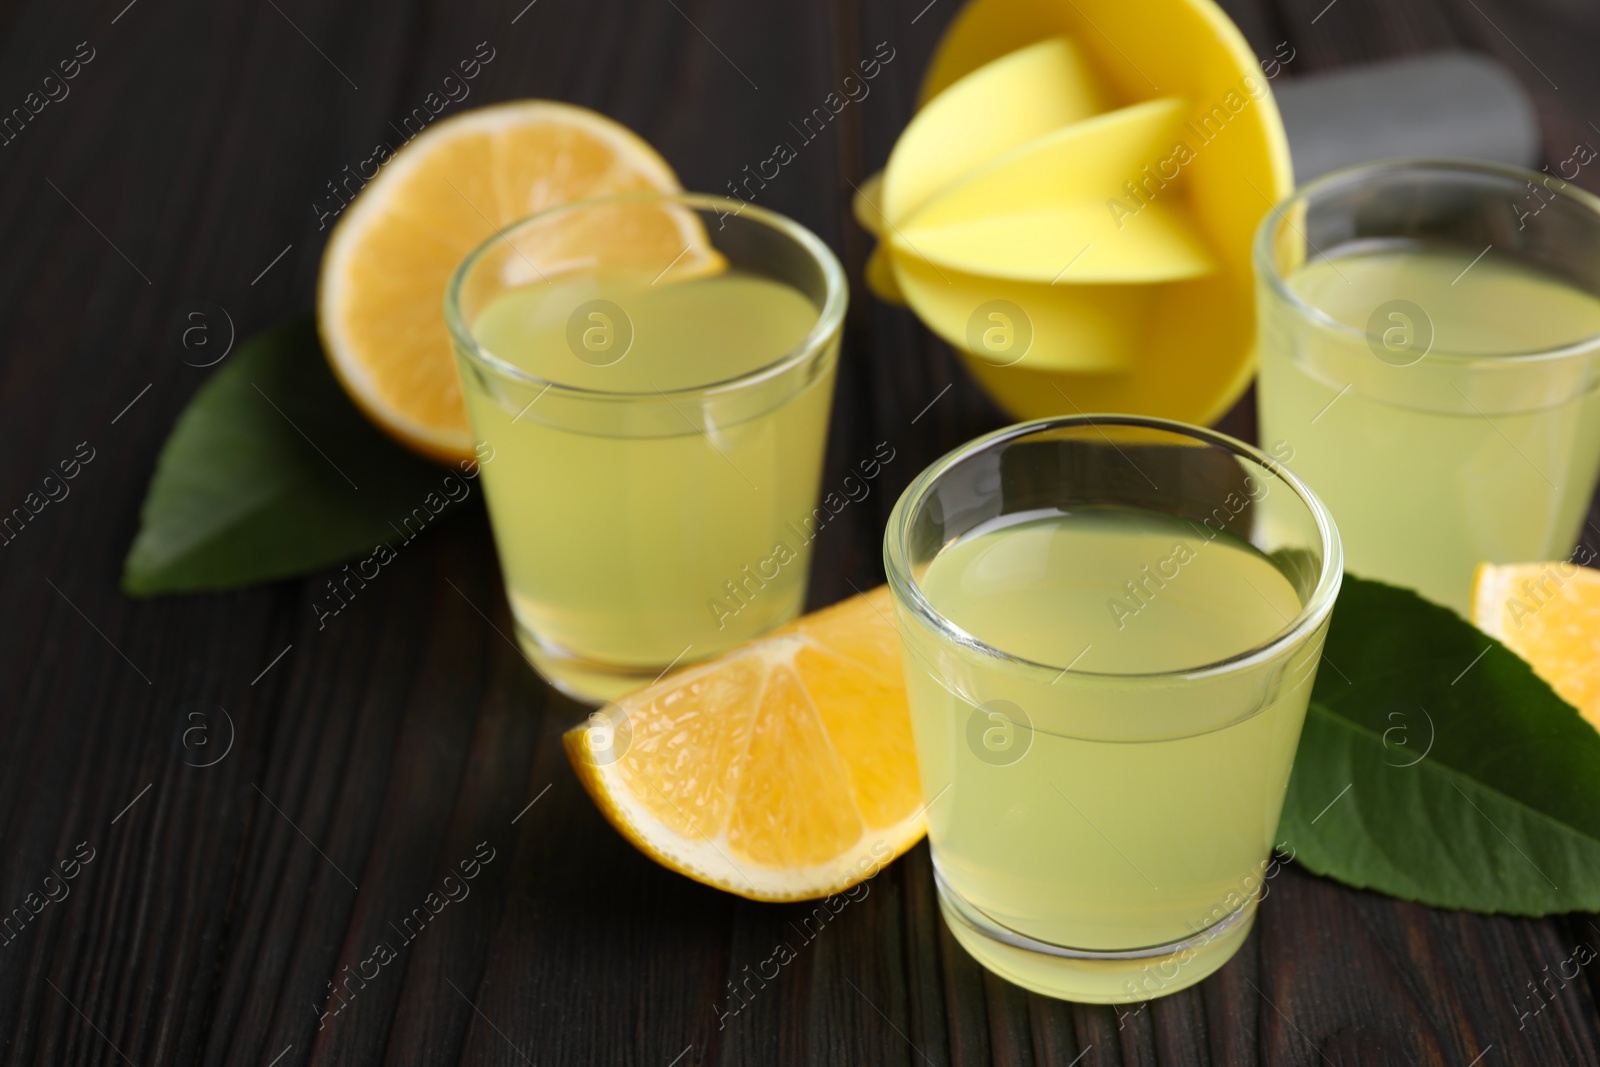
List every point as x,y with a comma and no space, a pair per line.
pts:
1139,591
643,532
684,334
1097,812
1486,306
1431,467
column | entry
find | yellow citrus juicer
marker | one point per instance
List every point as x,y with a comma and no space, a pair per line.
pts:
1073,204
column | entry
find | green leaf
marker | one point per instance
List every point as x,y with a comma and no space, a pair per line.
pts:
1430,774
272,472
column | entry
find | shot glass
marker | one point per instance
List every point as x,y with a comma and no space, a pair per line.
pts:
649,380
1110,627
1429,351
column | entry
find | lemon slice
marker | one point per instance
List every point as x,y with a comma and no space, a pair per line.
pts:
381,291
782,770
1549,614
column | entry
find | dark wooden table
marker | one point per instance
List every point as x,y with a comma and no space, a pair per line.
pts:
365,761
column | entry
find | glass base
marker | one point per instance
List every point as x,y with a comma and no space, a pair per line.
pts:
585,681
1093,976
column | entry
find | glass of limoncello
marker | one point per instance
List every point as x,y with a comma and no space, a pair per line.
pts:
1110,628
649,381
1429,353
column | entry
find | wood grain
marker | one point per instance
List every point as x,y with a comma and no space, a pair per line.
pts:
363,763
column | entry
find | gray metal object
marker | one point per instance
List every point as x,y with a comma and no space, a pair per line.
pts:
1444,105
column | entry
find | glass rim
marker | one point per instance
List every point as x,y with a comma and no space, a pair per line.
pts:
1266,266
829,316
909,592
